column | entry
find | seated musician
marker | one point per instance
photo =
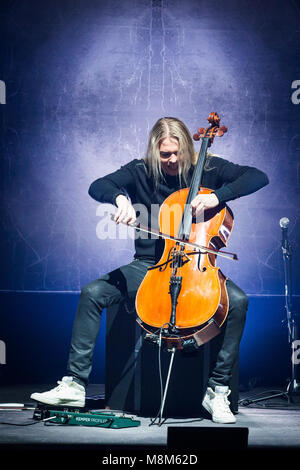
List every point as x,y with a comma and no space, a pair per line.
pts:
167,167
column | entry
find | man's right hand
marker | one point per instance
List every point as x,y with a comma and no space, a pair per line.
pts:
125,212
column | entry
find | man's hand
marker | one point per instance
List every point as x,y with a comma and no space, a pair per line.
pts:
125,212
202,202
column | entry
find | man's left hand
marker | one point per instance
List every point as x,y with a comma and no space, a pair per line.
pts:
202,202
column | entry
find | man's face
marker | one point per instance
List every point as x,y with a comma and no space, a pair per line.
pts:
169,155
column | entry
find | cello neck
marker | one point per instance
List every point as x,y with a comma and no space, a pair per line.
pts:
186,221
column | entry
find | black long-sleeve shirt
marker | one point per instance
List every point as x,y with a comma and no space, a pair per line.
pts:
228,180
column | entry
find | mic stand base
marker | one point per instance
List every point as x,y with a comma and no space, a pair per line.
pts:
292,395
293,391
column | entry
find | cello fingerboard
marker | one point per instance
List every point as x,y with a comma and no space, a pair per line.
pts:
186,221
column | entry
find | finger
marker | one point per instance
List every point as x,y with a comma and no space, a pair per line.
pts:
127,215
117,214
198,200
126,219
123,218
199,209
131,216
121,213
195,202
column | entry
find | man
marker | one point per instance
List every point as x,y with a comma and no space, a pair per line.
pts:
167,167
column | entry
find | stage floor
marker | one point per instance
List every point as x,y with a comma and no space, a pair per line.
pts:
270,429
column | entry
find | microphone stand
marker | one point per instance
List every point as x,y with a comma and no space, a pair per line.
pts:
293,389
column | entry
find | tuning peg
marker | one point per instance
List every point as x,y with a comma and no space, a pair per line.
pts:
221,131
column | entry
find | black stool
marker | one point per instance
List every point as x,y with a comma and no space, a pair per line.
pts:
132,374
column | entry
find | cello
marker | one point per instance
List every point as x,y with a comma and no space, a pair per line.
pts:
183,298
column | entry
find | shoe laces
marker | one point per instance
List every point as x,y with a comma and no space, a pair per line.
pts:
61,384
221,401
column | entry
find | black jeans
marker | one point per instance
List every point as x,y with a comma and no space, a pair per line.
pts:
123,283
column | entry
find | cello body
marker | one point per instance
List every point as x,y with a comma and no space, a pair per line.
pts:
203,297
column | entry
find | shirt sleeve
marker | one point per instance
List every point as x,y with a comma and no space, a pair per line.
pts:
237,180
107,188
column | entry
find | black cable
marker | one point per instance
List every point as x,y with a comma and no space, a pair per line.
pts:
29,424
18,424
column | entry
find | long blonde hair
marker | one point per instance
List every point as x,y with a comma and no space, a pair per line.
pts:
172,128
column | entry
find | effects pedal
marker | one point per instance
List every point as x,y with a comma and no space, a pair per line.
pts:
67,415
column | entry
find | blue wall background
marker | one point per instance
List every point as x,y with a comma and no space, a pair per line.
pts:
85,82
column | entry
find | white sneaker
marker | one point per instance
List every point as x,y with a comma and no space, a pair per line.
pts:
217,404
67,393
